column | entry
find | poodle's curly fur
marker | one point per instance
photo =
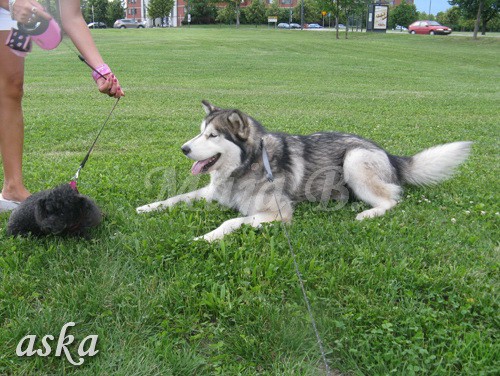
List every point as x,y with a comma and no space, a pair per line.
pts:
58,211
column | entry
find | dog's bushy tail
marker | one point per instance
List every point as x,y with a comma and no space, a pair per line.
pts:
435,164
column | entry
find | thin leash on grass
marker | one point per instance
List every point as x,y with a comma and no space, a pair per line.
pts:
270,178
74,179
84,161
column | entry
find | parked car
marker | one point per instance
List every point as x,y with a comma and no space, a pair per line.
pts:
314,26
283,25
428,27
97,25
294,26
400,28
341,26
128,24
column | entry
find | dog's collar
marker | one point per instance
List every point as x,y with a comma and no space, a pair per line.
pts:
73,186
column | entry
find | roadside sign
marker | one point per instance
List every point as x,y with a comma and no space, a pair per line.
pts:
378,16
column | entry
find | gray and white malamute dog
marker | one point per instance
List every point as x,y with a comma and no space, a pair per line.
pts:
315,168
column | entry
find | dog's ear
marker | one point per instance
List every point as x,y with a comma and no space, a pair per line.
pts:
209,107
239,124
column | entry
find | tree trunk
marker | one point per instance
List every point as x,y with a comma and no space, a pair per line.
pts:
347,25
478,18
337,18
237,15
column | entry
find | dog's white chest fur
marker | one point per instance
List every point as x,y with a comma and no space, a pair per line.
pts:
243,195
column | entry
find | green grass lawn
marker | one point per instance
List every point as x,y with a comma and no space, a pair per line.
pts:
412,293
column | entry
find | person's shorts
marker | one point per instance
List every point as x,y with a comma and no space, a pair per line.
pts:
6,22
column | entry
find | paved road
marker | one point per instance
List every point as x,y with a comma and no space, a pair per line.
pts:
455,33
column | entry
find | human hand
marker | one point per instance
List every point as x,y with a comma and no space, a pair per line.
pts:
110,86
27,11
106,81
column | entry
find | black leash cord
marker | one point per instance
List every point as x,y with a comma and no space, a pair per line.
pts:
270,178
90,66
75,178
93,144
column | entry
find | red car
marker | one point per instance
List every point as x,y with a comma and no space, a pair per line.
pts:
428,27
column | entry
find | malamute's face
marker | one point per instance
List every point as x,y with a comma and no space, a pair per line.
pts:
220,143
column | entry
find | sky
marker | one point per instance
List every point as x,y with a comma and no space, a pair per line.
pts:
436,6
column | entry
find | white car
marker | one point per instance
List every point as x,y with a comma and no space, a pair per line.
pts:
400,28
97,25
129,24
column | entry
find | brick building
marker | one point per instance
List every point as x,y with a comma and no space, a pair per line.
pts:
397,2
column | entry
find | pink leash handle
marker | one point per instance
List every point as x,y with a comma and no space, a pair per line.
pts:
47,34
100,72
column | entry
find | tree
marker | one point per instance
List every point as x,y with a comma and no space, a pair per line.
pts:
312,12
349,7
404,14
237,11
160,9
256,12
115,11
329,6
425,16
358,13
52,7
281,13
450,18
234,5
202,11
481,10
226,14
95,10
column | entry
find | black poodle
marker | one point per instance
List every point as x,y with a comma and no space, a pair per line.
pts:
58,211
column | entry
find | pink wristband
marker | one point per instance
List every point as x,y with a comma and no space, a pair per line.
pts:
103,70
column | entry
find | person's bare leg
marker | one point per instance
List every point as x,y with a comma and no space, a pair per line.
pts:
11,122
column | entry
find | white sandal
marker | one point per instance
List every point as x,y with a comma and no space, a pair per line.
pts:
7,205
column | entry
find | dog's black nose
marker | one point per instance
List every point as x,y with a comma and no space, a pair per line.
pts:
186,149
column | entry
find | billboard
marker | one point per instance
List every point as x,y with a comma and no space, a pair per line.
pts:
378,16
381,14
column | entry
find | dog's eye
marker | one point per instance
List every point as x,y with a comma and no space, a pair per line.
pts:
213,135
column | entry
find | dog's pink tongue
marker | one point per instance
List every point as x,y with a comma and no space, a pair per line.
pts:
198,166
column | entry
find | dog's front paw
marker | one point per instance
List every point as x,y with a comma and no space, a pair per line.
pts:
144,209
370,213
210,237
157,206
